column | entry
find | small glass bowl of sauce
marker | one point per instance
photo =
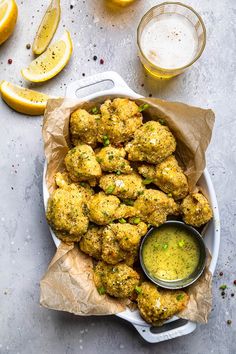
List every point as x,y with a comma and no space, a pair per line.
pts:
173,255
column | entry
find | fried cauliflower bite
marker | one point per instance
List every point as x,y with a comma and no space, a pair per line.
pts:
120,242
112,159
119,120
152,143
168,176
67,213
63,181
81,164
196,209
118,281
84,127
154,206
103,209
91,242
157,305
124,186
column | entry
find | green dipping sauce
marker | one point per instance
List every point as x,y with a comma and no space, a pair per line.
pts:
170,253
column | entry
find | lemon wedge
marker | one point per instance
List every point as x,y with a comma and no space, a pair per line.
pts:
47,27
23,100
8,17
51,62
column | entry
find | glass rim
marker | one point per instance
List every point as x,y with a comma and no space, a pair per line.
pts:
204,36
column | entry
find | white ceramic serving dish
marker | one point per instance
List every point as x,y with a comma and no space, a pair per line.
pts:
175,327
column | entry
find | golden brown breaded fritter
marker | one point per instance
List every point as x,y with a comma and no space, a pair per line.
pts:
124,186
67,213
84,127
157,305
81,164
168,176
154,206
196,209
112,159
63,181
152,143
116,280
91,242
120,242
103,209
119,120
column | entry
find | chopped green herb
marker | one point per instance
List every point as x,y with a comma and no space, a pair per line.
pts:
223,287
122,221
110,157
106,140
142,107
94,110
101,290
99,160
118,172
83,184
147,181
110,189
128,202
136,221
181,243
169,195
138,289
162,121
165,246
179,297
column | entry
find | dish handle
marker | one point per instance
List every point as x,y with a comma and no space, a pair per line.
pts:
168,331
118,85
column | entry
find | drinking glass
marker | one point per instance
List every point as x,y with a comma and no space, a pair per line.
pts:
171,8
120,2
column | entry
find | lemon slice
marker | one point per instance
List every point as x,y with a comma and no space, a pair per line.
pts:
23,100
8,17
51,62
47,27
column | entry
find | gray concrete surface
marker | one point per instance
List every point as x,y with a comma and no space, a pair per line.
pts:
25,243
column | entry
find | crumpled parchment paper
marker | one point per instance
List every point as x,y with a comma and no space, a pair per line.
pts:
68,283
